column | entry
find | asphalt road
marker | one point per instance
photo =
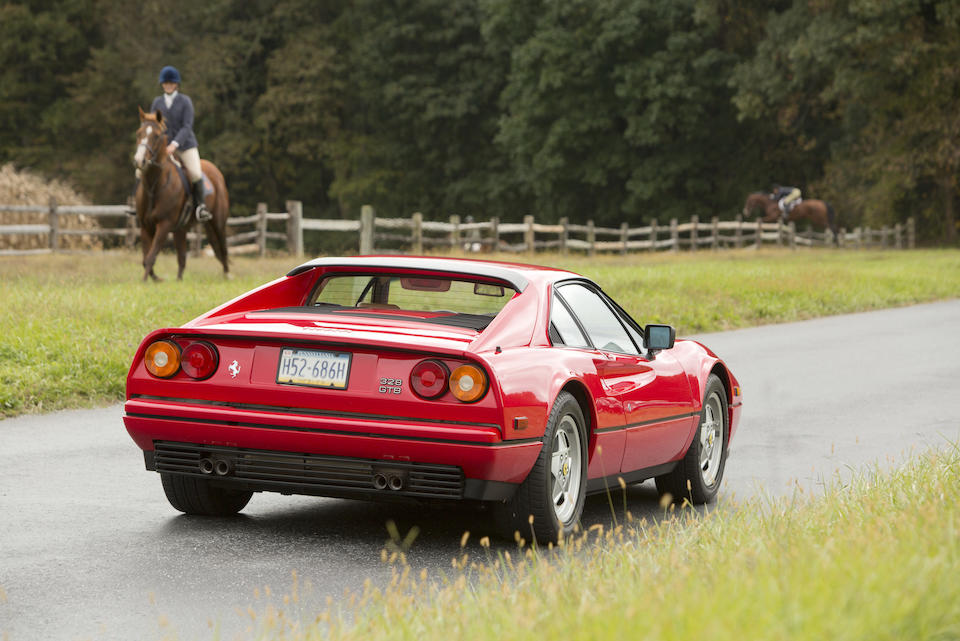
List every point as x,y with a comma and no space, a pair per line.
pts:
89,547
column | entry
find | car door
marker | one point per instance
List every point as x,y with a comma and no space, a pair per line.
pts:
652,390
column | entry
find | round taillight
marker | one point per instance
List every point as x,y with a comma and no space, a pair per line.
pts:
162,359
468,383
199,360
428,379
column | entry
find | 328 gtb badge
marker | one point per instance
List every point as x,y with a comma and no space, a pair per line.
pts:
391,385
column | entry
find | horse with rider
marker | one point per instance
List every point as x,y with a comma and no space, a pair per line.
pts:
175,188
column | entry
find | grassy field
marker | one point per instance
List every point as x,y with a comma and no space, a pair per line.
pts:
69,324
874,558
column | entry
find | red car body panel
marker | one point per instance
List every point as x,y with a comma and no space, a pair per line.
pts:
642,410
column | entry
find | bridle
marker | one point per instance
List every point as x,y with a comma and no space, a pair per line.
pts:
150,151
146,156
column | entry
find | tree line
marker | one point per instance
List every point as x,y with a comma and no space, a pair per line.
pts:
615,110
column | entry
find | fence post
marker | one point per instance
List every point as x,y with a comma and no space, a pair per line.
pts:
653,234
694,232
54,220
842,238
898,236
780,232
911,233
262,228
624,237
591,239
417,232
792,235
564,235
759,233
674,236
715,238
295,227
455,232
738,232
495,233
367,224
529,238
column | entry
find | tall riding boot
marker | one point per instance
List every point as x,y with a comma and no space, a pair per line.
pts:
203,214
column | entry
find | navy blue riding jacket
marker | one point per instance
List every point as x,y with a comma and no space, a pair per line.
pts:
178,119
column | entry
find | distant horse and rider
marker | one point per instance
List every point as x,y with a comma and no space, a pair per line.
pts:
819,212
175,188
164,200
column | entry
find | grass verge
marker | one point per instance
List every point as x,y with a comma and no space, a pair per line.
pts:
69,324
873,558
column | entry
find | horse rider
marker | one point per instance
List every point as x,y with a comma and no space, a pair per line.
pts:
177,109
786,197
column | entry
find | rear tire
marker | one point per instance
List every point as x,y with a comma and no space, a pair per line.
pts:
197,496
554,491
698,475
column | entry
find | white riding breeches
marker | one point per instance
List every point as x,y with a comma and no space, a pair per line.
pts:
191,162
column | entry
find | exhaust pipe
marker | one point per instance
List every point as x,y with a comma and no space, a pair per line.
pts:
396,483
380,481
222,467
206,466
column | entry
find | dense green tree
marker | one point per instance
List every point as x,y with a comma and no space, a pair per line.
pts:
619,109
419,113
865,94
606,109
41,44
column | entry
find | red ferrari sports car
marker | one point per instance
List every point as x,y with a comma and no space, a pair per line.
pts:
384,377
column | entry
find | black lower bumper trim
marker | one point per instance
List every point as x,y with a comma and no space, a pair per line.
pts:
317,475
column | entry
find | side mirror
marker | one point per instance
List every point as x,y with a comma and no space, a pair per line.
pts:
658,337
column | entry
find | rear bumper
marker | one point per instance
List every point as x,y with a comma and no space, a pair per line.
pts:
291,452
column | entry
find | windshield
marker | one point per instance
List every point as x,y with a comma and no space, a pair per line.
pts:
453,301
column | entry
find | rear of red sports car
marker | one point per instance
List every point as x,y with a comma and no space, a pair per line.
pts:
340,379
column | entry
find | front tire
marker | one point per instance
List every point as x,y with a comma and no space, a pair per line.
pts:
197,496
554,491
698,475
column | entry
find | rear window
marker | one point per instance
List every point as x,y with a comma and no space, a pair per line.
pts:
431,298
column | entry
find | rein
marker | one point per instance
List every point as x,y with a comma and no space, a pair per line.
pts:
152,153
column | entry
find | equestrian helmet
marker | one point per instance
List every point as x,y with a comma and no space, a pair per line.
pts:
169,74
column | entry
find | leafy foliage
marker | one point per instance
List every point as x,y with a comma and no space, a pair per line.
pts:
615,110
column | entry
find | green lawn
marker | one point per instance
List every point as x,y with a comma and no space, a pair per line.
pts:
69,324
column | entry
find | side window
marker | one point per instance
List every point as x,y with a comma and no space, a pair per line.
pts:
600,322
566,328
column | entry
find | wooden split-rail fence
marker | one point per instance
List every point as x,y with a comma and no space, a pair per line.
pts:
284,230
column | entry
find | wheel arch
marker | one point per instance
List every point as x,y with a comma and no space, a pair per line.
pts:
581,394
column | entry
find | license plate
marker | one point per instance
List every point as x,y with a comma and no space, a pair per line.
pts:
314,368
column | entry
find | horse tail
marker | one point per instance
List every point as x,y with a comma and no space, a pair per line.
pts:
218,242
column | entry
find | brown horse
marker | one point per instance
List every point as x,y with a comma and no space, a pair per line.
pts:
818,212
162,196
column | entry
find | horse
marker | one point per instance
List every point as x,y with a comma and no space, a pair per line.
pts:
818,212
162,197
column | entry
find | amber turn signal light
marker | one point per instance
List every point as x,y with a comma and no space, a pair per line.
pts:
468,383
162,359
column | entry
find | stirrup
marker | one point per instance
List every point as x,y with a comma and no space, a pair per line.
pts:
203,214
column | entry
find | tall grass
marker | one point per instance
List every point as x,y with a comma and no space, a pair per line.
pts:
69,324
874,558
